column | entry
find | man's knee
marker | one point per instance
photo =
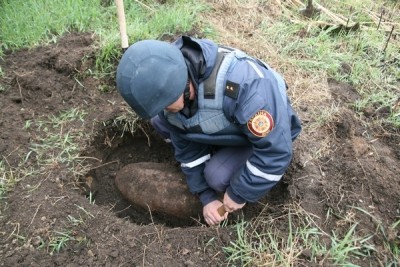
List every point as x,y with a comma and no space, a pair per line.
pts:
216,178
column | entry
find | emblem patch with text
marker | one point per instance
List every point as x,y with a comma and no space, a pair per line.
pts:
261,124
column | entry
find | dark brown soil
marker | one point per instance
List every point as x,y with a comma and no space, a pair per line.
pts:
360,168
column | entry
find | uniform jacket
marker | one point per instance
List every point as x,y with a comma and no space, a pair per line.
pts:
259,115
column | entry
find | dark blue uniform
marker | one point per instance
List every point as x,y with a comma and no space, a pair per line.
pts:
249,113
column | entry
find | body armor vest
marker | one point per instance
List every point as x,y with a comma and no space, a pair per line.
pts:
210,118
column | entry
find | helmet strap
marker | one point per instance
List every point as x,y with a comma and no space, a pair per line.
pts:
186,100
186,94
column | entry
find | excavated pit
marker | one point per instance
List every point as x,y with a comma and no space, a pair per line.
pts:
112,150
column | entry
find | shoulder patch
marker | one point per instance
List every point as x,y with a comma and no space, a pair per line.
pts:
232,89
261,124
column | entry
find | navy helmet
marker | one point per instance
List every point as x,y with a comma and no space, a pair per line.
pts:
151,76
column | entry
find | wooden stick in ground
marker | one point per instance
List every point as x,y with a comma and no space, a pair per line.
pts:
122,24
388,39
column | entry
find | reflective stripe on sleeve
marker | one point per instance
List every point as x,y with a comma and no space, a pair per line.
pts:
196,162
257,172
256,68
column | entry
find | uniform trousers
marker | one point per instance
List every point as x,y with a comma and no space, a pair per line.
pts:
224,163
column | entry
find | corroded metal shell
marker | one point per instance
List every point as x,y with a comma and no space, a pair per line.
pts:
159,187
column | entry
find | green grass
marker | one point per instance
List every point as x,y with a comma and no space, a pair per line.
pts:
371,68
71,232
29,23
60,141
8,178
294,238
127,122
11,175
321,50
59,241
382,101
37,22
57,143
146,22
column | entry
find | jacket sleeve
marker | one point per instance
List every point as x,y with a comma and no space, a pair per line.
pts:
259,104
192,157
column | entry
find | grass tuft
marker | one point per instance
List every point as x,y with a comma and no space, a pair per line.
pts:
294,238
8,178
60,141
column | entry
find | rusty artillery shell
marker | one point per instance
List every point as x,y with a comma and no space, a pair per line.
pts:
159,187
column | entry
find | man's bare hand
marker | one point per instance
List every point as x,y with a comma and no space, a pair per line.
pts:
211,215
230,205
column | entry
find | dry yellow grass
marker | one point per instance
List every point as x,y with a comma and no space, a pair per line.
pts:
238,24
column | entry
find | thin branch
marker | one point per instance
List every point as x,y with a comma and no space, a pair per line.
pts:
388,39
